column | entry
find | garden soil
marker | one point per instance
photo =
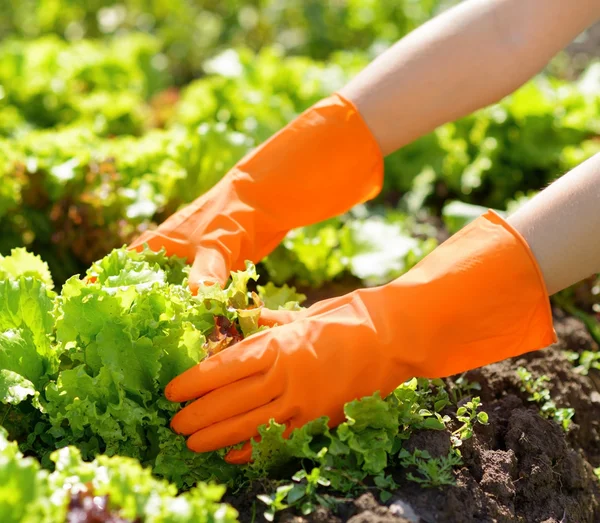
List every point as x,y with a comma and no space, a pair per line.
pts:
520,467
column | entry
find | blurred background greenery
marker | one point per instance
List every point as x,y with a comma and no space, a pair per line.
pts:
113,115
190,31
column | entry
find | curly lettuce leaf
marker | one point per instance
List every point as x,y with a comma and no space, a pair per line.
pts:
284,297
29,494
127,331
23,263
26,329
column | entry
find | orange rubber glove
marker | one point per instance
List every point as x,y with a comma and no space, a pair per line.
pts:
319,166
478,298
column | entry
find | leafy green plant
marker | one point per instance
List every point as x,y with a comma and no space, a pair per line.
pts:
115,488
364,244
386,484
124,335
364,445
135,312
276,501
540,394
73,196
102,84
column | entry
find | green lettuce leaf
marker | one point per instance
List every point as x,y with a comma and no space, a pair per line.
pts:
26,328
14,388
24,491
23,263
284,297
29,494
127,331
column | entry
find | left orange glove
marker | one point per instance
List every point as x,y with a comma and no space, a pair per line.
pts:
476,299
319,166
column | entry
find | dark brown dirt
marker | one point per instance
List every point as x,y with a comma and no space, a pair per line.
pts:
521,467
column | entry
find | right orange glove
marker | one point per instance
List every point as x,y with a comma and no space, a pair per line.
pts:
476,299
319,166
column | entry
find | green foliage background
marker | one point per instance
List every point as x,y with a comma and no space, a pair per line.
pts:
112,116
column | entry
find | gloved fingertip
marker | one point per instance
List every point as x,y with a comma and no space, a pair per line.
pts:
138,243
195,284
240,456
171,392
271,318
138,247
194,447
203,276
208,268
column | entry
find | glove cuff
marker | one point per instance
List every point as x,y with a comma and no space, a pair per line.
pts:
478,298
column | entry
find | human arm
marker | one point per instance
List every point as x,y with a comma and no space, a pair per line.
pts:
561,225
467,58
330,158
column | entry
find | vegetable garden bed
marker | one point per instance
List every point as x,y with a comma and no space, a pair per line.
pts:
513,441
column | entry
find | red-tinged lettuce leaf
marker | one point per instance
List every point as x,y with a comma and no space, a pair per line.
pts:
223,335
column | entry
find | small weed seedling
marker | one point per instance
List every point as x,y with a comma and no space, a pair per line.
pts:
385,484
540,394
468,416
301,494
585,361
432,472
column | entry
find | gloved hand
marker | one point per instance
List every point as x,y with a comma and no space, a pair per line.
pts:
318,166
478,298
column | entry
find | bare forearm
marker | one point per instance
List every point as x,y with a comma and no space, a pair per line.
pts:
562,226
467,58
